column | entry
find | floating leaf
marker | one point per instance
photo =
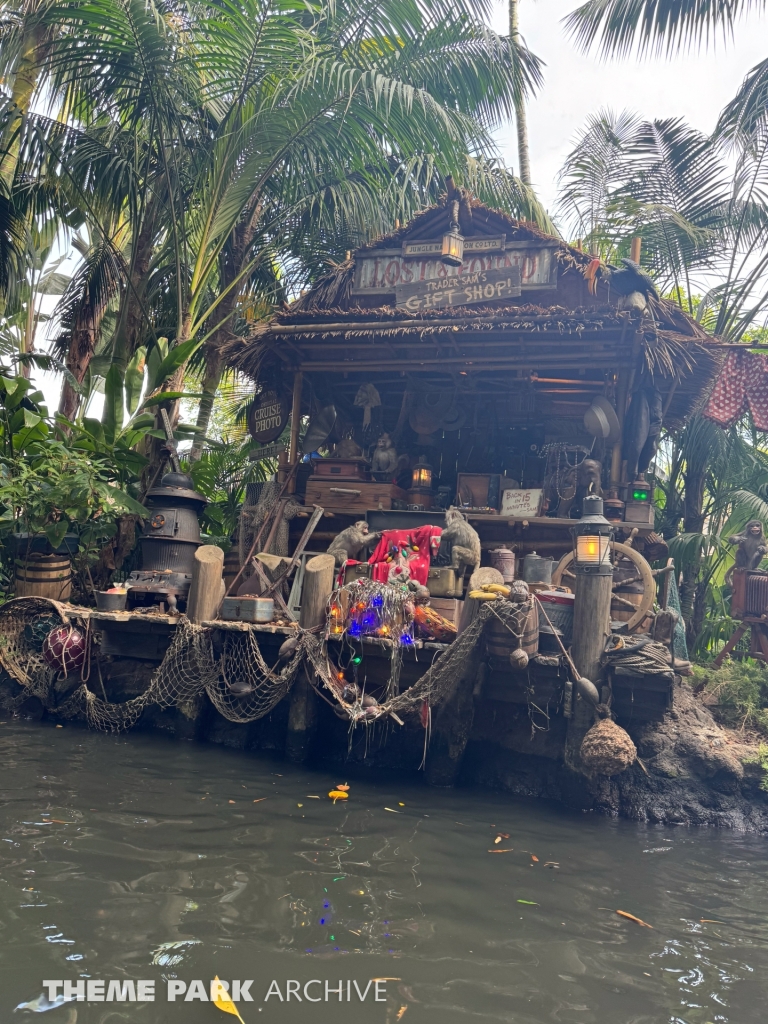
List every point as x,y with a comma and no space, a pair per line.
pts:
261,798
391,810
343,786
401,1012
337,794
534,858
551,864
631,917
528,903
224,1003
510,850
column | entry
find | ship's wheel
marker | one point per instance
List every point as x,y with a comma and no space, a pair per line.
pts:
563,576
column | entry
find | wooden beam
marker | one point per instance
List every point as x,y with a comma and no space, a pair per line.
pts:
293,448
319,327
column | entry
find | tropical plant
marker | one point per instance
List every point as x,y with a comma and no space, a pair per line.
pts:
222,474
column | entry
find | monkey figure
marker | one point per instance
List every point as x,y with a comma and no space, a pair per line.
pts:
463,539
751,547
384,458
587,482
350,542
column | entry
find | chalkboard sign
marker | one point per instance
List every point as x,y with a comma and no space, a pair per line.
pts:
268,416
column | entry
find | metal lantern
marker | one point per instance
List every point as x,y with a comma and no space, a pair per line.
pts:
453,247
420,491
453,242
592,536
422,475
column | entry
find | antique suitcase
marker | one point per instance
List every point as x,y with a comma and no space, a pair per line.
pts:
360,571
349,495
442,582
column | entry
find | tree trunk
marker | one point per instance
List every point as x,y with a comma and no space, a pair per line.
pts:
521,118
693,522
211,381
82,345
131,315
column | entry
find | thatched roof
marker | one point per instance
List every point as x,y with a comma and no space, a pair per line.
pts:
330,328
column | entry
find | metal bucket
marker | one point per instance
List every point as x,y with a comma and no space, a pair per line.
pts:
559,607
537,569
503,559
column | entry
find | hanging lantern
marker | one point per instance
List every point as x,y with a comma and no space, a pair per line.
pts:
420,491
453,247
422,475
453,241
592,537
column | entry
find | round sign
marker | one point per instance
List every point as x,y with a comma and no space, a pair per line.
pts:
268,416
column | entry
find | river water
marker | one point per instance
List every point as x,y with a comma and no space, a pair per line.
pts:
139,858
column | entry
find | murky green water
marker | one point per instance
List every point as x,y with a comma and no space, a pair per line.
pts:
138,858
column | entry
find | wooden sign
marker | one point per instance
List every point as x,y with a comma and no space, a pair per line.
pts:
268,416
382,271
523,503
267,451
414,249
460,290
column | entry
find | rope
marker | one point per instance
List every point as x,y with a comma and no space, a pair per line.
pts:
637,654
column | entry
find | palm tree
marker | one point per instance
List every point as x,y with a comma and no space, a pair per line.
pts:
231,130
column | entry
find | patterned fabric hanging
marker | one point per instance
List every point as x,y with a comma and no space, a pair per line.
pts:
743,382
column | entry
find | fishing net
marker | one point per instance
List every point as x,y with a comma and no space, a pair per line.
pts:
238,681
24,624
245,688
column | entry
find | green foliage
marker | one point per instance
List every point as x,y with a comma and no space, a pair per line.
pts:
54,490
760,757
221,475
740,692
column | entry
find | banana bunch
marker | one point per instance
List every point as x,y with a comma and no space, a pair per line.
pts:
490,592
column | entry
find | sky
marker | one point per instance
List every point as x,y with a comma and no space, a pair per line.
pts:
695,86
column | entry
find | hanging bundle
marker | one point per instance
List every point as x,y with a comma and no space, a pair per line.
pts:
607,749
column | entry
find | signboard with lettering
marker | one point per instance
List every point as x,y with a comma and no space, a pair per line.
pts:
268,416
380,273
521,502
460,289
496,244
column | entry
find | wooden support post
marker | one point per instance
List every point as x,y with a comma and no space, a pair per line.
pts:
302,717
293,450
591,626
207,588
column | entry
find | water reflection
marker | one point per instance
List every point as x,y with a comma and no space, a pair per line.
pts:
136,858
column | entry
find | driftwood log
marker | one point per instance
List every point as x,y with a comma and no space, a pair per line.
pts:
207,588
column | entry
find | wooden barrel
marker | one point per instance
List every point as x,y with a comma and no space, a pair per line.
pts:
44,576
231,566
500,641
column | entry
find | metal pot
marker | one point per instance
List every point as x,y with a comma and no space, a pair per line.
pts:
537,569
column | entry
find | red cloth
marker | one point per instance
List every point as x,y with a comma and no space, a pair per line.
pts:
743,382
426,539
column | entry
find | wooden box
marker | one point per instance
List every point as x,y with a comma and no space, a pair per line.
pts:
357,497
479,490
448,607
341,469
640,512
442,582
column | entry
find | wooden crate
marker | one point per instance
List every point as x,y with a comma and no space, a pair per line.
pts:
350,495
448,607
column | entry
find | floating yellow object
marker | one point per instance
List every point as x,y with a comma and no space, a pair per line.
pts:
224,1003
337,794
